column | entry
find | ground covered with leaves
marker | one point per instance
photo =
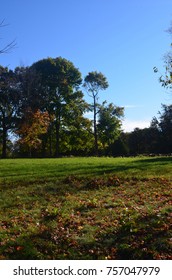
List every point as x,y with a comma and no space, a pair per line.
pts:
77,217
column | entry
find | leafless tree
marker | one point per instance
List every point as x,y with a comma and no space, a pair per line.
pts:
8,47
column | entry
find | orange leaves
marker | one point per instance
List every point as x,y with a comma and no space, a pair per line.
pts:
19,248
101,182
106,217
35,125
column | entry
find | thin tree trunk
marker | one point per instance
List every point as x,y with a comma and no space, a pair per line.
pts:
49,140
44,143
4,137
95,129
57,125
51,154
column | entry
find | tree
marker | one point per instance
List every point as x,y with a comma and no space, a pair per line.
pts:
156,139
9,100
144,141
29,85
77,137
93,83
60,82
109,123
32,128
118,148
165,125
166,79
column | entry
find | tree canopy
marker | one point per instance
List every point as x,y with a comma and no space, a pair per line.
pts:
93,83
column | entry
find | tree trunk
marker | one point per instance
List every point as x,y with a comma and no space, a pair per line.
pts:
4,137
44,143
50,150
49,140
57,125
95,129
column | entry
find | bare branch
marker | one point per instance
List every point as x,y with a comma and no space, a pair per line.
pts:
10,45
2,23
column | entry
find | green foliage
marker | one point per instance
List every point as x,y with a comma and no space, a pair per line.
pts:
165,125
118,148
109,123
94,82
154,140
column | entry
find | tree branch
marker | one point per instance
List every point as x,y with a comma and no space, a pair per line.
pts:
10,45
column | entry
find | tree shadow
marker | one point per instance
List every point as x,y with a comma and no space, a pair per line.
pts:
144,238
159,160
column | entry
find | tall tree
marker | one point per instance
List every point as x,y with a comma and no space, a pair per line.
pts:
60,81
93,83
9,100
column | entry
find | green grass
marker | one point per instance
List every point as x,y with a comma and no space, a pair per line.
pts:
48,169
86,208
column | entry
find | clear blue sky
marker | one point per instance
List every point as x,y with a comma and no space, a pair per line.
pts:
124,39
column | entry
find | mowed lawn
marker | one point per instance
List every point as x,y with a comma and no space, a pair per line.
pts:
48,169
86,208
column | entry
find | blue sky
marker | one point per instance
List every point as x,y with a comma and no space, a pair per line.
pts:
123,39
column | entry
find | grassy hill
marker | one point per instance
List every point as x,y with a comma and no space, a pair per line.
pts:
86,208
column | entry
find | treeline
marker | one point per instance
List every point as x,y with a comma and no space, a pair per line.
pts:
43,114
43,111
155,140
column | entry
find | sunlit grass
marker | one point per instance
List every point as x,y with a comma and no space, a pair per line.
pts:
47,169
85,208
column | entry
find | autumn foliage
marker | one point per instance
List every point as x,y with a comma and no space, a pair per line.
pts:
33,127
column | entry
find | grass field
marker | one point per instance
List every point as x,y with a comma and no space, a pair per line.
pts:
86,208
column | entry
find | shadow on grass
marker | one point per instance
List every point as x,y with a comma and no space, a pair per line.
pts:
150,165
143,238
125,168
159,160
